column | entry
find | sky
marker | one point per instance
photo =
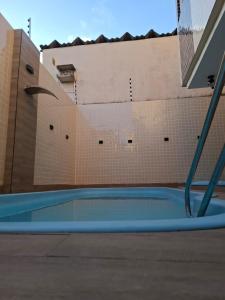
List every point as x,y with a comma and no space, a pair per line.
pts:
64,20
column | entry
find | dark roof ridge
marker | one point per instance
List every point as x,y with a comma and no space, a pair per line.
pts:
126,37
103,39
151,34
78,41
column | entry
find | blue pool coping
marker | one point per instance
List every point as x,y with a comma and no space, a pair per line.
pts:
206,183
32,201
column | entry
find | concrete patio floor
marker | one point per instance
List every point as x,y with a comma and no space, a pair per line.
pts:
179,265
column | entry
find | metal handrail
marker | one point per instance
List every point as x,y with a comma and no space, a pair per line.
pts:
213,182
205,130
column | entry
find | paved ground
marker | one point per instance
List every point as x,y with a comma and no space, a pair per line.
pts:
182,265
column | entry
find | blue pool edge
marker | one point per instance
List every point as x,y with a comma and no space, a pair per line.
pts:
166,225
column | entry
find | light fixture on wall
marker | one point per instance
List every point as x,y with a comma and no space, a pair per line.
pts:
211,81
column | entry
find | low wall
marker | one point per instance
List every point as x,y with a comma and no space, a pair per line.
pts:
55,148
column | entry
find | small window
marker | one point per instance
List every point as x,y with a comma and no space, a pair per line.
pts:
100,142
51,127
53,61
166,139
198,137
130,141
67,136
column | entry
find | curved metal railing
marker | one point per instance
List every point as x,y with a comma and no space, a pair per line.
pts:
212,184
204,134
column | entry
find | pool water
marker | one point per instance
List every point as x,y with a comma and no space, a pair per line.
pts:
105,209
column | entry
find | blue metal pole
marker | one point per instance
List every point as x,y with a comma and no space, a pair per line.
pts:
205,130
213,182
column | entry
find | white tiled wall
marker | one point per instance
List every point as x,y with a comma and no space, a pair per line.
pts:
149,159
55,155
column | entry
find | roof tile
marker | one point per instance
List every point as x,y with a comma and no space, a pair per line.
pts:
102,39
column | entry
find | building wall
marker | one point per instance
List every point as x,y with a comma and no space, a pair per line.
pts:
55,155
160,108
192,21
200,12
6,53
103,71
30,153
22,117
126,91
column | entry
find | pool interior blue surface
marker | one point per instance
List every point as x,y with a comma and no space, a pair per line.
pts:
105,209
101,210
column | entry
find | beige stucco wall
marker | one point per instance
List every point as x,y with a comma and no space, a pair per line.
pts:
104,70
55,155
160,108
6,53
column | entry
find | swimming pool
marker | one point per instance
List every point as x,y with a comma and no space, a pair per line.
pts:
106,210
